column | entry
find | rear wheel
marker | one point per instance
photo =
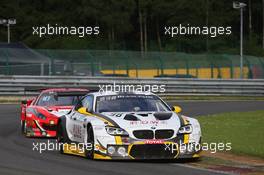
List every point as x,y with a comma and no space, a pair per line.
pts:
60,137
22,126
89,153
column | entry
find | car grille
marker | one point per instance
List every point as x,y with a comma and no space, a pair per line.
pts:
164,134
144,134
49,127
149,134
151,151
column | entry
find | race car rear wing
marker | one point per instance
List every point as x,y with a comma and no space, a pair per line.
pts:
71,93
39,89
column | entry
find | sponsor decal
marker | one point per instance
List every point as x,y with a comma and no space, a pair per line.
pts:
146,122
77,131
154,141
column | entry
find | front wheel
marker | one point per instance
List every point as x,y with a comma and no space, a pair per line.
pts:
89,153
22,126
60,137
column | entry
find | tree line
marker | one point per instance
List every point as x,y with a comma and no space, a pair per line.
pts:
136,24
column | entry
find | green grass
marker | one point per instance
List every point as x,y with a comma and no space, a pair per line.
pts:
245,130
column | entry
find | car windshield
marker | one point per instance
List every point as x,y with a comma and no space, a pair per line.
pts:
53,100
129,103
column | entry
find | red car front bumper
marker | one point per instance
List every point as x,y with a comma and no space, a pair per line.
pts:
41,128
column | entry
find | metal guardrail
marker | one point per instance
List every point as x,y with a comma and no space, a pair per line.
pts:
18,85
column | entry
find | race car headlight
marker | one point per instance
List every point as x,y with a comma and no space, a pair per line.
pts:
115,131
187,129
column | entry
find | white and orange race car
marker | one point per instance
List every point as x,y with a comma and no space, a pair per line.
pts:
134,125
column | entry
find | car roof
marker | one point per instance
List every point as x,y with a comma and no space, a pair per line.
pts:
64,90
108,93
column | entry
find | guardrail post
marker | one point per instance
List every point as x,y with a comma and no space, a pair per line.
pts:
250,75
262,67
196,71
219,75
231,70
50,62
136,70
42,69
212,70
91,62
161,66
92,67
187,66
126,62
7,62
127,68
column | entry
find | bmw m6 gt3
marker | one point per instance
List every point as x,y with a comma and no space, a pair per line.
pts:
127,126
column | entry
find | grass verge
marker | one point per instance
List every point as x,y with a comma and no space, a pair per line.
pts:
245,131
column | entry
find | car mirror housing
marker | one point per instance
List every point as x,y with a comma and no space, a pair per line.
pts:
27,102
84,110
176,109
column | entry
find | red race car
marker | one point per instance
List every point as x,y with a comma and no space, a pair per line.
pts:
39,116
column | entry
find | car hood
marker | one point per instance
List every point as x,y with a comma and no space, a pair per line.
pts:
144,120
59,110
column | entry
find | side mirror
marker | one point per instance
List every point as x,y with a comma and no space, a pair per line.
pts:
83,110
24,102
27,102
176,109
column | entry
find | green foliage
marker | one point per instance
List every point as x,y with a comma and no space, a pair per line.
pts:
119,24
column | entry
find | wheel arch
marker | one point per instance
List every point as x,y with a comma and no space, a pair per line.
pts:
62,122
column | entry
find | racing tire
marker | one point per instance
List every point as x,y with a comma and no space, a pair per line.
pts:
62,137
23,126
90,140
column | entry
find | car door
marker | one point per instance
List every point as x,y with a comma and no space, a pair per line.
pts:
77,124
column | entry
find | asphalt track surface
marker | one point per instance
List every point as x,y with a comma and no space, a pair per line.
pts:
18,158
